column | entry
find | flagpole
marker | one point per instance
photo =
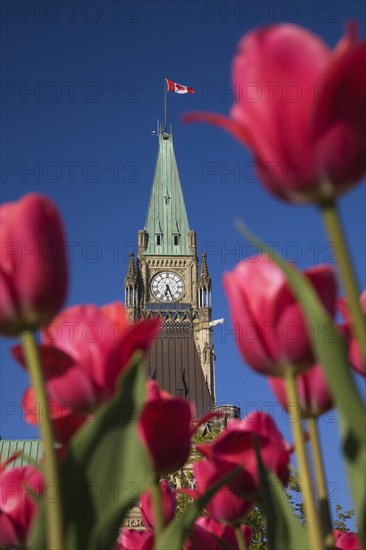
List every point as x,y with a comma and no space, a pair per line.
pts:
164,105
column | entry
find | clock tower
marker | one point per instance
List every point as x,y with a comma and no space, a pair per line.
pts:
166,280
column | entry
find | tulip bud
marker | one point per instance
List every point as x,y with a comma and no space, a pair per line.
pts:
235,446
19,488
312,388
168,503
354,352
225,506
269,323
224,532
165,429
33,276
347,541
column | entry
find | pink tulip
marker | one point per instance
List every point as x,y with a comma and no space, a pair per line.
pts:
225,506
165,429
347,541
168,502
270,328
132,539
312,389
33,273
223,532
200,537
19,489
292,110
233,447
101,340
84,351
354,353
71,394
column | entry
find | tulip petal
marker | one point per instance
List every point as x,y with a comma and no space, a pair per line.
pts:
54,361
88,336
225,506
250,339
132,539
342,94
165,429
223,122
312,388
339,120
10,532
168,503
135,337
68,386
18,487
323,279
116,312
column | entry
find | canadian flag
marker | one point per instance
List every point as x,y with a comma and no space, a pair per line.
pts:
178,88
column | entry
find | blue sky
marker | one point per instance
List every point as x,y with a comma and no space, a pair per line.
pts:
82,89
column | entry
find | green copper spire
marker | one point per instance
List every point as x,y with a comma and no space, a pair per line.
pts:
166,221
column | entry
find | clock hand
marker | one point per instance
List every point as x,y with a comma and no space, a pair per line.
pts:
167,289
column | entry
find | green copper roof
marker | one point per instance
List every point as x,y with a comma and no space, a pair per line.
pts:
166,220
31,451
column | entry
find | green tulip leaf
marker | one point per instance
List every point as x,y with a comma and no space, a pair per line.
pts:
333,356
105,470
178,530
284,530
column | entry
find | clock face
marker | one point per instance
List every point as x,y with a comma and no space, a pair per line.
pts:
167,286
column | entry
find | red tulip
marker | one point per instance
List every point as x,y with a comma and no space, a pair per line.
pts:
200,537
132,539
223,532
347,541
270,328
19,488
225,506
168,502
165,429
85,350
33,273
354,353
293,110
235,446
100,340
312,389
71,394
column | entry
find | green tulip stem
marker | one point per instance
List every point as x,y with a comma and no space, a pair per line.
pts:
335,231
240,539
311,513
50,467
157,502
321,481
